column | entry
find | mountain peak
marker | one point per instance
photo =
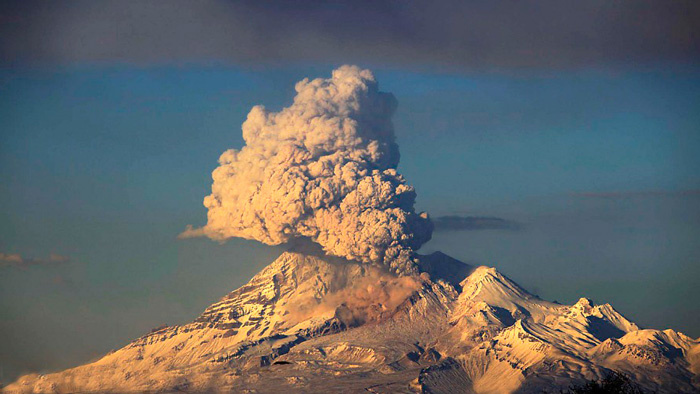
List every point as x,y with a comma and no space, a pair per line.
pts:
489,285
584,304
441,266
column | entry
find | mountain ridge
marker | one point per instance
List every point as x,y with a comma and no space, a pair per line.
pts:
307,323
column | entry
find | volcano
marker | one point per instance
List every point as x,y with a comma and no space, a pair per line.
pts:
312,323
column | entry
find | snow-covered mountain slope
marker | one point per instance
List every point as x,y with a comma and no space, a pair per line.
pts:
312,324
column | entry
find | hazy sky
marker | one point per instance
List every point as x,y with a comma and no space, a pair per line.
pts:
576,127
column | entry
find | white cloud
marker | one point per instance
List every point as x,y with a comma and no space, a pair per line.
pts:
16,260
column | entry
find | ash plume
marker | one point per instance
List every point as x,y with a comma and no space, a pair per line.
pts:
323,168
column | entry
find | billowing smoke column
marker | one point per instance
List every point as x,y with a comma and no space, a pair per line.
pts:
323,168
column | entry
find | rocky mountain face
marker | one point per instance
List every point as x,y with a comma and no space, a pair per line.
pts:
312,324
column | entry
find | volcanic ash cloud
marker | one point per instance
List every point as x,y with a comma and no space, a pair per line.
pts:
323,168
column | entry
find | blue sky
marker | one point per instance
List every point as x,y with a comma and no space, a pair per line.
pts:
106,165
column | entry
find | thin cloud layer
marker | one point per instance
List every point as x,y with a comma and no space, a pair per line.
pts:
470,223
460,35
323,168
638,193
17,260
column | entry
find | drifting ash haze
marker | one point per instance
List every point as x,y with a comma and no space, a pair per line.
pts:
325,169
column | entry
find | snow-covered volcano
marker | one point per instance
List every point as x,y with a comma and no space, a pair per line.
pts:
313,324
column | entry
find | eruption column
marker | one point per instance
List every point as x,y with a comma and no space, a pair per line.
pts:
323,168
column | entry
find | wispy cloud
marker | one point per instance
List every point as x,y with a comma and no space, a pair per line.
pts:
472,223
639,193
461,35
17,260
